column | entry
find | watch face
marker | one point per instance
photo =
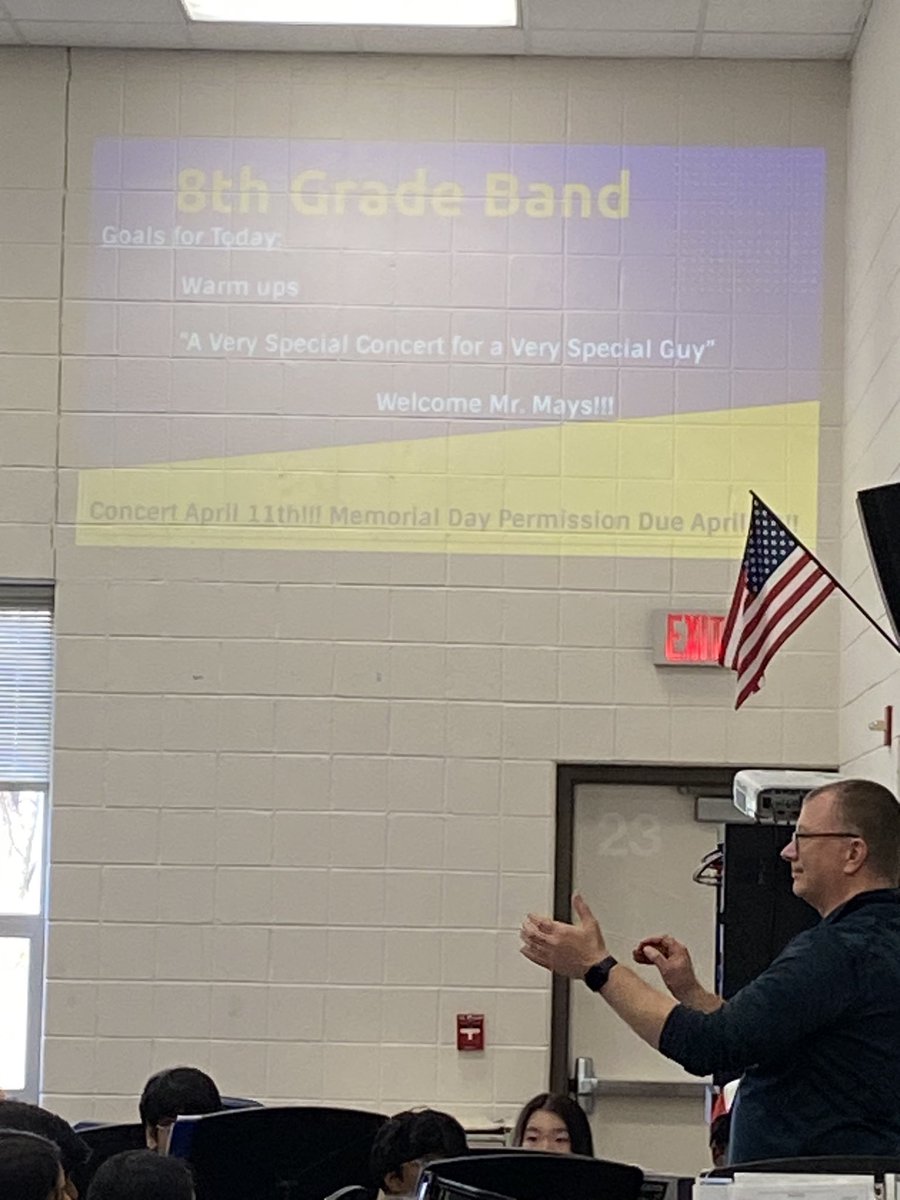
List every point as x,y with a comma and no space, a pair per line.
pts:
598,974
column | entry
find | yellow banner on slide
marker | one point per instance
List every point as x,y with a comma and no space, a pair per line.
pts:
649,487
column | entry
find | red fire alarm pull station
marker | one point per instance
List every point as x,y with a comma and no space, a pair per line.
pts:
470,1031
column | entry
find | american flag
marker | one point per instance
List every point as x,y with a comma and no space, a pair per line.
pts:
779,586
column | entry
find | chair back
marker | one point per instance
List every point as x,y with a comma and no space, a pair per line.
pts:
104,1141
284,1153
532,1175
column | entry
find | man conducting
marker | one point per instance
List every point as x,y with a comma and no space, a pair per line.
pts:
816,1037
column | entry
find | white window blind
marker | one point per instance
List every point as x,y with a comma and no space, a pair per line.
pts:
26,692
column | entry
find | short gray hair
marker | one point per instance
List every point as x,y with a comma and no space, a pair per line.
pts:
871,811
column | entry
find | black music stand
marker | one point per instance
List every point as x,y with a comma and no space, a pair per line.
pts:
277,1153
104,1141
531,1175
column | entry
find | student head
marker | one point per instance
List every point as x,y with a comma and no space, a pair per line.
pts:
175,1092
555,1123
407,1142
30,1167
29,1118
847,841
141,1175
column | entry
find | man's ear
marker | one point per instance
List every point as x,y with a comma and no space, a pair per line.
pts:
393,1183
150,1137
857,857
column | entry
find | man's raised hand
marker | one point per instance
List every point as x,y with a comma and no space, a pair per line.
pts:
566,949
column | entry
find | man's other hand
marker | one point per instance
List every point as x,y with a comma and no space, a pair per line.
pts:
673,961
566,949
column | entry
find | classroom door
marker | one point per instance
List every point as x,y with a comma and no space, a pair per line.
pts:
635,850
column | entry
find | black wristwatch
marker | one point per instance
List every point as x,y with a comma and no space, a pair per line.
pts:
597,976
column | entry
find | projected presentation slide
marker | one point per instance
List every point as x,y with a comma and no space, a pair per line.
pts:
456,347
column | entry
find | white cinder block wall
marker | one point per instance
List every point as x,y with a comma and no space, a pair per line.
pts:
870,670
301,801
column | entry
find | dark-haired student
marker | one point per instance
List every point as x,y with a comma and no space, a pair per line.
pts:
30,1167
553,1122
30,1118
408,1142
175,1092
142,1175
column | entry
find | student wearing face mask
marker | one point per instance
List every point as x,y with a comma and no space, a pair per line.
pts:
555,1123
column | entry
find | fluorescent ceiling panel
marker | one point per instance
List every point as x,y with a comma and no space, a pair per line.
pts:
468,13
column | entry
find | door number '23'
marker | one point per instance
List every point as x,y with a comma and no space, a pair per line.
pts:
619,836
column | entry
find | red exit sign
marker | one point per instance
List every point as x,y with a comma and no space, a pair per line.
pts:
687,639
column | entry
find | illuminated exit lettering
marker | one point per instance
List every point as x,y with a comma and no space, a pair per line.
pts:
693,637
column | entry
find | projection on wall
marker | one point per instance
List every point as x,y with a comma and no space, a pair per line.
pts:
456,347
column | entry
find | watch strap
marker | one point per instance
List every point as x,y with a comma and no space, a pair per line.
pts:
597,976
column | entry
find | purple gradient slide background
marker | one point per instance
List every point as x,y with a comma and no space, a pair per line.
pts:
720,244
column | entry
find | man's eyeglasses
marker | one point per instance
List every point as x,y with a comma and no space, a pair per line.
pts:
799,837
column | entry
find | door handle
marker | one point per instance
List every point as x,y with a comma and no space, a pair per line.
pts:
587,1085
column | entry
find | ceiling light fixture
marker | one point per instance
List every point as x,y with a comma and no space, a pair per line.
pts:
411,13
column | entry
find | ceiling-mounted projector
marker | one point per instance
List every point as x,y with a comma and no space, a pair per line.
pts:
776,795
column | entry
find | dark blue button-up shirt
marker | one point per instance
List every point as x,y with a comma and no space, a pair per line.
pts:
817,1037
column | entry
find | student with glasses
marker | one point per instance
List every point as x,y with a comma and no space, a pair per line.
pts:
407,1143
816,1037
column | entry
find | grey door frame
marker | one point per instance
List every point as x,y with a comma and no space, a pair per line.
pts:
570,776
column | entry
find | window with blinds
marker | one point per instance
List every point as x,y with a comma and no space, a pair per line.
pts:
26,713
26,693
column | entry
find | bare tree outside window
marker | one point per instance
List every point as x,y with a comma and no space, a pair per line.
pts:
21,850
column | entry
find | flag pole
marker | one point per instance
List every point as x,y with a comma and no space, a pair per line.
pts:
840,587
